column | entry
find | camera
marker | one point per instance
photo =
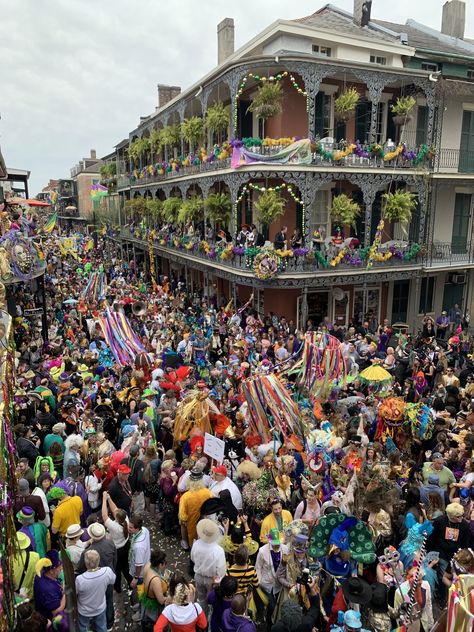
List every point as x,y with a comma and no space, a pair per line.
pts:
303,579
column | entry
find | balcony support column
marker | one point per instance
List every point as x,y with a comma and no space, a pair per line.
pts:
368,192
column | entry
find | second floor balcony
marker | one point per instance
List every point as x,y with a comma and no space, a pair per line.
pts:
318,258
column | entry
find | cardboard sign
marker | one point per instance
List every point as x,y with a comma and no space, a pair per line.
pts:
214,447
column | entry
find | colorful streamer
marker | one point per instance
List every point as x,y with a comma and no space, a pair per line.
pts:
95,288
120,337
271,407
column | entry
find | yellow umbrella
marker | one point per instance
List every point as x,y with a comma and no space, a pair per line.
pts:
375,374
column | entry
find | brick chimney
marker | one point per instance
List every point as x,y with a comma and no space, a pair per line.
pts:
166,93
454,18
225,39
93,154
362,9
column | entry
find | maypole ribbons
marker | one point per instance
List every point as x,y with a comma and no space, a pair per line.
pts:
95,288
120,337
271,407
322,364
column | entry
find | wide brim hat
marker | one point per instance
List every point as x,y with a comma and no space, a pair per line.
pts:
361,545
379,600
231,547
208,531
24,541
356,590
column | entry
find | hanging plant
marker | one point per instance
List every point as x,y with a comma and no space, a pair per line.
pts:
156,141
192,130
402,108
170,135
217,118
398,206
346,103
268,100
344,210
154,208
137,206
170,209
269,207
191,210
219,207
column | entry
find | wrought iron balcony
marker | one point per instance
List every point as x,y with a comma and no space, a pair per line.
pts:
443,254
326,154
392,255
455,161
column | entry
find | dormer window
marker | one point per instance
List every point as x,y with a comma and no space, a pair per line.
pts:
324,51
377,59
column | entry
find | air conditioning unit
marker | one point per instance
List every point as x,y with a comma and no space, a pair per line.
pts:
457,279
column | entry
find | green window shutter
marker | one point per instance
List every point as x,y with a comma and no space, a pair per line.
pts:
421,125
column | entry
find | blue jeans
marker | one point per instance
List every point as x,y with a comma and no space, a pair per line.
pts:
99,621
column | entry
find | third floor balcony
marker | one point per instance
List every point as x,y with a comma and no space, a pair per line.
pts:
282,153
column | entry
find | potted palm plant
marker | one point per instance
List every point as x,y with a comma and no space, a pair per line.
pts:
345,104
401,109
344,210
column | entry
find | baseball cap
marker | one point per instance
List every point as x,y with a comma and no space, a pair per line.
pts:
352,619
274,536
123,469
220,469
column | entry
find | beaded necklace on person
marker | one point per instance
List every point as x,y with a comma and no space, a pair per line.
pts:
132,542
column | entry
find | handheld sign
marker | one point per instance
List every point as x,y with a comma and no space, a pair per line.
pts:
214,447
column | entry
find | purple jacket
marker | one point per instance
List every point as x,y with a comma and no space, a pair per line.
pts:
233,623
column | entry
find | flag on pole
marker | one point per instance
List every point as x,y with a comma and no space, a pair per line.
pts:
49,225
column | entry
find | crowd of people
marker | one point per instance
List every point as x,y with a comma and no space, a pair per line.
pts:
352,524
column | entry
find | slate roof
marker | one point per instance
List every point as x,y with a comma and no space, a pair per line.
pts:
421,36
335,19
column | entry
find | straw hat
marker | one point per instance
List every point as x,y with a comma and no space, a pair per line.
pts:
74,531
208,531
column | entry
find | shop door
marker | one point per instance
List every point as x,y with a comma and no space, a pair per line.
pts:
401,293
340,310
452,294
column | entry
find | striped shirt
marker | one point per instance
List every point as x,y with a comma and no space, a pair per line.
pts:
246,578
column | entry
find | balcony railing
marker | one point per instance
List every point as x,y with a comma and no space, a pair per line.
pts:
332,259
456,161
328,154
441,254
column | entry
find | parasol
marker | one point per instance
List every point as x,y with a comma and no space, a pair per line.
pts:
30,202
70,301
375,375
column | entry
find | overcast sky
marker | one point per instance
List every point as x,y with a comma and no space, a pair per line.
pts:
78,74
